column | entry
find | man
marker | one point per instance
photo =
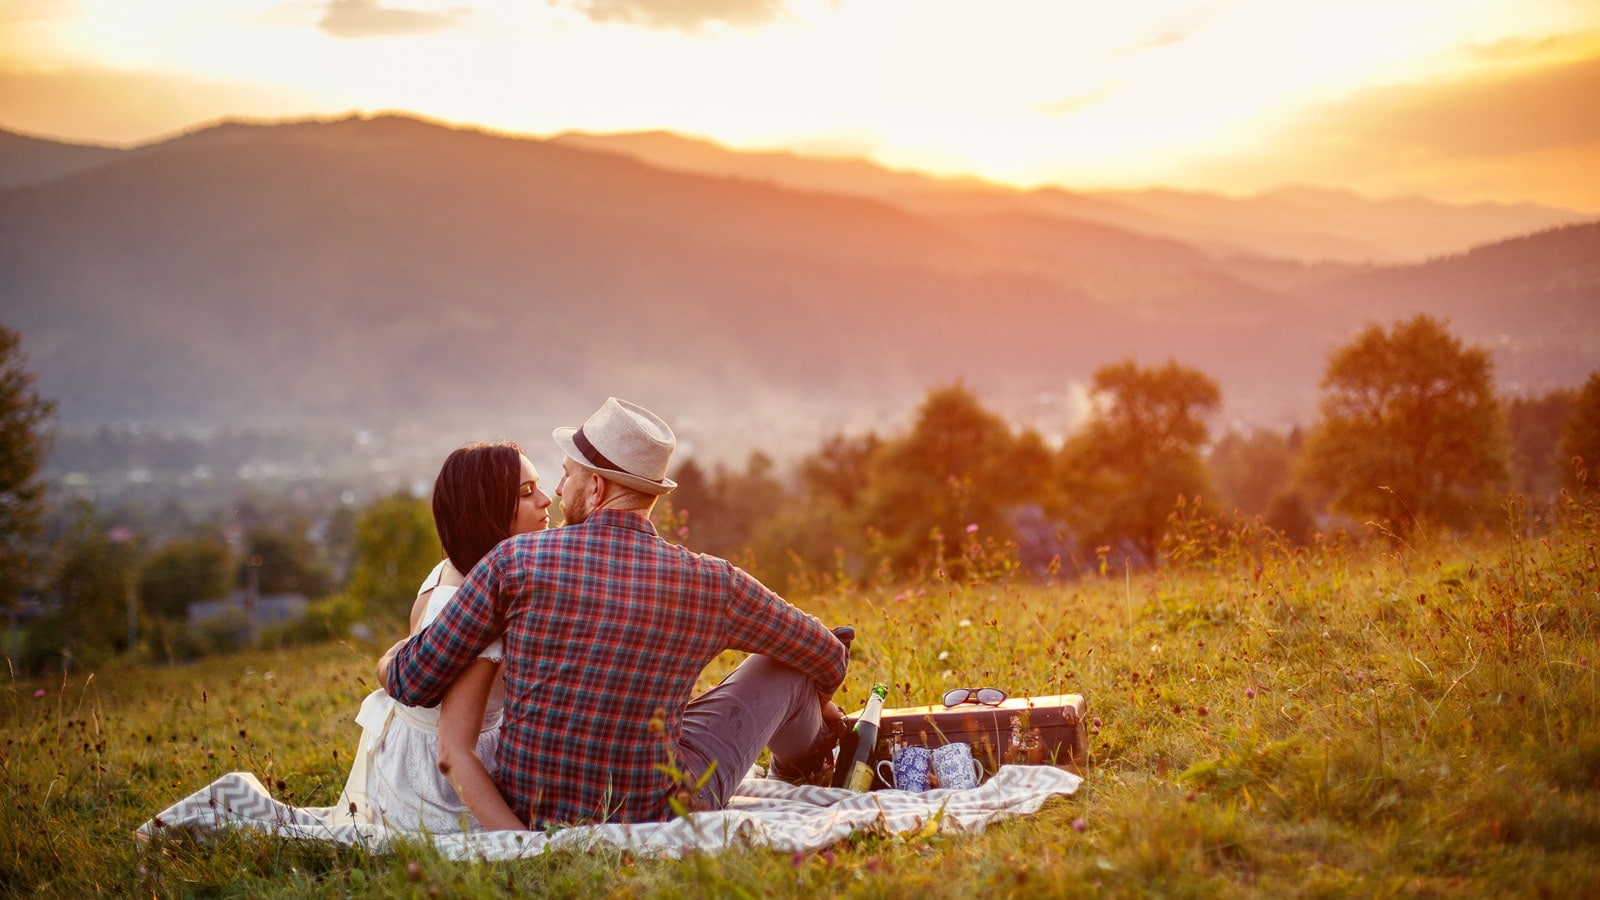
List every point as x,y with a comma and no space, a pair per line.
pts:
606,628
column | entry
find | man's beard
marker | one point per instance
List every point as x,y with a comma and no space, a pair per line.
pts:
575,508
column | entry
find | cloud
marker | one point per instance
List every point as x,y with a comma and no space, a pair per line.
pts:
1066,106
680,14
1530,110
1175,27
356,19
1516,131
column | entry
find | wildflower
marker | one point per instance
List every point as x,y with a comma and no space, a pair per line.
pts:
1202,709
944,655
972,528
964,623
413,871
1079,825
797,859
1249,693
1097,722
39,693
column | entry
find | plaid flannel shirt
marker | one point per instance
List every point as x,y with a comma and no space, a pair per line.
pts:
607,627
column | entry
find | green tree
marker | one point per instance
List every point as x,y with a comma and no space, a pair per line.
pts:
1410,430
819,531
23,445
960,466
1138,453
182,572
396,546
839,469
722,511
283,562
1533,425
1251,470
91,584
1580,440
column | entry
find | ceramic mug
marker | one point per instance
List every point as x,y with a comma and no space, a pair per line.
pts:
908,771
955,767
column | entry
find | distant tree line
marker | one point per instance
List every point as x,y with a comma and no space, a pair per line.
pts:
1410,436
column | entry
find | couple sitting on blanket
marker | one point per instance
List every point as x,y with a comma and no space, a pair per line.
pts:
562,661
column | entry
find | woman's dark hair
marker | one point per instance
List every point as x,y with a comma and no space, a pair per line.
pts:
475,500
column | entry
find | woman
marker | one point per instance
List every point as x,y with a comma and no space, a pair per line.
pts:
432,769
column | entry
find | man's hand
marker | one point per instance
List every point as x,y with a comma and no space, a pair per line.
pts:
386,660
833,717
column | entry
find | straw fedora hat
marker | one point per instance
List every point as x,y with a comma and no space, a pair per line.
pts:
625,443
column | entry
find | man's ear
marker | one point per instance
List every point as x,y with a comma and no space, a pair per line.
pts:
597,488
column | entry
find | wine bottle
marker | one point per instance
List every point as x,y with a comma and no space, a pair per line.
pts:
858,773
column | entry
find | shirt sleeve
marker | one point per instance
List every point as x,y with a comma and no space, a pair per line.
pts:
423,669
763,622
437,601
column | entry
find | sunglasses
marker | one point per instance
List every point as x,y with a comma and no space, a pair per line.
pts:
987,696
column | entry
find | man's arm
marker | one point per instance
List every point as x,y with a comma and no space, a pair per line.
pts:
419,671
763,622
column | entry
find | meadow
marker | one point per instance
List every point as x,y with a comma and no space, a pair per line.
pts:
1368,716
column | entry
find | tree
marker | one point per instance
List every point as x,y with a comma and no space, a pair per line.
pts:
284,562
182,572
1139,452
960,466
1580,440
22,449
1250,471
91,584
1533,425
723,511
396,545
1410,429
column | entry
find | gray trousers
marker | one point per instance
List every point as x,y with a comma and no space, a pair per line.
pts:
762,703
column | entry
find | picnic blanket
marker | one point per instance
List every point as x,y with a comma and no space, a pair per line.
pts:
763,813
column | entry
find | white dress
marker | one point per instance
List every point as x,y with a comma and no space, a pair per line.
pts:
396,779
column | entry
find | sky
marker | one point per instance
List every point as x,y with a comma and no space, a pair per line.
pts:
1457,100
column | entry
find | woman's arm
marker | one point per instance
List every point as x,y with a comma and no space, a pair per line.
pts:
460,719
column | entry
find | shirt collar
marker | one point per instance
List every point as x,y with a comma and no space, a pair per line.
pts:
621,518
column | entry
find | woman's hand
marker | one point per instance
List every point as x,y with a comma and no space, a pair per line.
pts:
385,661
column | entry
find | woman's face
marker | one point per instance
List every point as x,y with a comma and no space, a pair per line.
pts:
533,504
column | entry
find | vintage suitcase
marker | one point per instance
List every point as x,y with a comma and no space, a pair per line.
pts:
1048,730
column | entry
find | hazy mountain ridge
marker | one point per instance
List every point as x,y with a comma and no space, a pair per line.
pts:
391,273
1300,222
30,160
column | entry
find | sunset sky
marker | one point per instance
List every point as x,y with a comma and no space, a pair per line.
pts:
1461,100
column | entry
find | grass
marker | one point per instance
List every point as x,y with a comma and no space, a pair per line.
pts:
1398,720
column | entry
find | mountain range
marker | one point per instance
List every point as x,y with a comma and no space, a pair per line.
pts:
447,284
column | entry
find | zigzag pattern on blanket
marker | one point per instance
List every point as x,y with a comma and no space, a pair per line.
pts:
763,813
240,799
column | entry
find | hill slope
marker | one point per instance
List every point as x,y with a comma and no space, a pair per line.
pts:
389,273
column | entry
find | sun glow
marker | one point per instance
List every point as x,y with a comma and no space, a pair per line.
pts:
1026,91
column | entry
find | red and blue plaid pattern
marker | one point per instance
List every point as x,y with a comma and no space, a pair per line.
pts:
607,626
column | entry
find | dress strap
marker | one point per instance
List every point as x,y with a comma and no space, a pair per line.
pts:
433,579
